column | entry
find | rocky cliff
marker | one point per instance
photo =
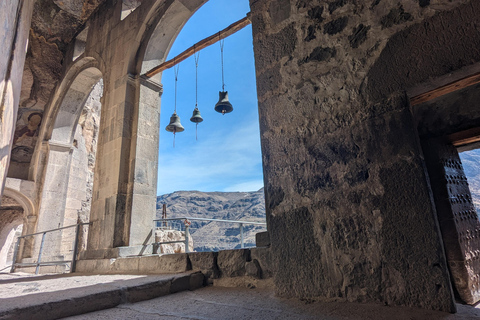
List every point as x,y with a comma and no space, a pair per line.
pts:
208,236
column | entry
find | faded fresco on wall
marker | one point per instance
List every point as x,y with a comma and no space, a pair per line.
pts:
26,133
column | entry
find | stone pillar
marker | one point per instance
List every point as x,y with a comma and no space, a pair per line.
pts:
54,196
348,204
15,17
124,192
145,160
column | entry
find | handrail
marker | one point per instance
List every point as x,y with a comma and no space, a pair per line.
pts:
209,219
187,226
71,226
39,263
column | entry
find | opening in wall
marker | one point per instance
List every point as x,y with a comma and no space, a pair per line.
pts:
471,166
219,175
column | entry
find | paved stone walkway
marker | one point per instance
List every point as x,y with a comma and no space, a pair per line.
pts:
24,296
212,303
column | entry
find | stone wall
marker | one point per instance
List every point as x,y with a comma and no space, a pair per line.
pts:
348,203
15,17
229,268
80,184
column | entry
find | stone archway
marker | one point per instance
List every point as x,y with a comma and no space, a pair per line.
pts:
64,186
11,225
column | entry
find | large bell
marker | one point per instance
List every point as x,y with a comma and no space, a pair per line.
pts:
223,105
175,125
197,118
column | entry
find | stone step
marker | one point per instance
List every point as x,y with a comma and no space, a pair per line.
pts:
58,296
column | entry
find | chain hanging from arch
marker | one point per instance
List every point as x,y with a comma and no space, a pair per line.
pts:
222,41
196,117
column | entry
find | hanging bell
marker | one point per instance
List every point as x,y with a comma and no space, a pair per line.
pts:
175,125
196,117
223,105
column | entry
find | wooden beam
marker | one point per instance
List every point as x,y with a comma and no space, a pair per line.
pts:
448,88
465,137
228,31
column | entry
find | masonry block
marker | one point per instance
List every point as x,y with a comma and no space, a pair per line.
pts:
232,262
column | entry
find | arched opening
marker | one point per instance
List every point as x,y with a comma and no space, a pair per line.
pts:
226,158
70,137
11,225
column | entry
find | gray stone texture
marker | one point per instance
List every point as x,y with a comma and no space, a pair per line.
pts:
348,203
206,262
262,239
232,262
263,260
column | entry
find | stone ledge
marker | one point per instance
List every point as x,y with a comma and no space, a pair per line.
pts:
71,301
174,263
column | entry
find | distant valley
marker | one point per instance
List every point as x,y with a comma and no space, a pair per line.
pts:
214,236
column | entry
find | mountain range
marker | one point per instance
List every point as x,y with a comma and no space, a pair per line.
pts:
212,235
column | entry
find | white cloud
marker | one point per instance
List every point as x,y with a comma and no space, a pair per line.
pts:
218,162
253,185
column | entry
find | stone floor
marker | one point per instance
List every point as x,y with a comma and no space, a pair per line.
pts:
240,303
24,296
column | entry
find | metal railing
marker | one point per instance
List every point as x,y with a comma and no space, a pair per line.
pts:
39,262
184,223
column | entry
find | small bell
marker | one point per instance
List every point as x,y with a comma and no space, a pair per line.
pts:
175,125
223,105
196,117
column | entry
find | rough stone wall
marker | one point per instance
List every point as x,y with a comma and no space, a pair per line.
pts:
15,17
80,185
348,203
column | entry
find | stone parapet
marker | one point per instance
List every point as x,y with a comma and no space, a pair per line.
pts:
242,267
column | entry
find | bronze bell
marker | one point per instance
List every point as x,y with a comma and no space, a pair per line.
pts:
223,105
175,125
196,117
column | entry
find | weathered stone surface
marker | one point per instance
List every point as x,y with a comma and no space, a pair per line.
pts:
196,281
262,239
335,26
341,198
264,258
443,55
252,269
180,283
171,263
232,262
206,262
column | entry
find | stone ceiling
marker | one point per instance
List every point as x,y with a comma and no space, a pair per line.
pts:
54,24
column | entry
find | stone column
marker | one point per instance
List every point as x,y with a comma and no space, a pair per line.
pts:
348,204
54,195
124,196
15,17
145,160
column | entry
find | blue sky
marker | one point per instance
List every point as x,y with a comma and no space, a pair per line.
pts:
227,155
